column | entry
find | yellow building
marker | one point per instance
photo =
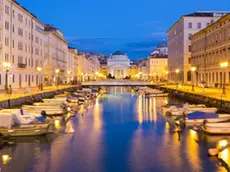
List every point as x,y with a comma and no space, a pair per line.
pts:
211,47
157,67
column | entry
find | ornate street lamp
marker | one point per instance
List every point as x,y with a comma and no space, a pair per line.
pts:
177,77
6,65
223,65
193,69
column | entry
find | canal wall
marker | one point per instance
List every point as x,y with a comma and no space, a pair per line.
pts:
28,99
222,105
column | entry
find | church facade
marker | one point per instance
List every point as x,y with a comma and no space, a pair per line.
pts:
118,65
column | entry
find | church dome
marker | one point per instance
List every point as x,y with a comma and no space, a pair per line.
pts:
118,53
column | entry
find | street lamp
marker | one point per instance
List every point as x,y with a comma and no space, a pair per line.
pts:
6,65
177,77
39,69
223,65
193,69
57,76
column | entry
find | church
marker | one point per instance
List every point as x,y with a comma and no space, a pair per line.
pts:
118,65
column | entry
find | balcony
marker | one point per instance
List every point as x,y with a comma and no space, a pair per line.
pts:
21,65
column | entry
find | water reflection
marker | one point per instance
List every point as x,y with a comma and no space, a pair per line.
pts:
118,132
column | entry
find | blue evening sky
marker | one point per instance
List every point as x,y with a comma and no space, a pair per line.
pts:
104,26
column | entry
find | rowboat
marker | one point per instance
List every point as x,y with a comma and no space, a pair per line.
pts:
216,128
41,107
49,112
26,130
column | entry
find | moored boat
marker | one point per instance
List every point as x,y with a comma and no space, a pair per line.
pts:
216,128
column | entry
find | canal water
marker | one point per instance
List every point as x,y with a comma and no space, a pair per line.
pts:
120,132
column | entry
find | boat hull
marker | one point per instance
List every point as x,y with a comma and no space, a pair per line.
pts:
26,131
209,120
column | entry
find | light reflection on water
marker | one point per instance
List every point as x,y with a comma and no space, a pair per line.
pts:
120,132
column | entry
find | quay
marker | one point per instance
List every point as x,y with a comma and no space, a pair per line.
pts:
20,97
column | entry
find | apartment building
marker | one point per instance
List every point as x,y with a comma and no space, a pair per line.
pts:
21,44
210,48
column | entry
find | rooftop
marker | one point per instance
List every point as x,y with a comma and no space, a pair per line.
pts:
118,53
159,57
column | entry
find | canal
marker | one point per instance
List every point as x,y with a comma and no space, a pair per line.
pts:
120,132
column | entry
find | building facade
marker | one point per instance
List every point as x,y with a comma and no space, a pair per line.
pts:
21,44
179,41
211,47
157,68
56,55
118,65
72,65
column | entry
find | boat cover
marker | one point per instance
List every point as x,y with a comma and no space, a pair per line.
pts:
202,115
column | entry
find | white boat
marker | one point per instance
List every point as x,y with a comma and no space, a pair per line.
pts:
48,104
49,112
56,100
41,107
157,95
216,128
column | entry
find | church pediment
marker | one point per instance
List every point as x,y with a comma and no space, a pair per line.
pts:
118,66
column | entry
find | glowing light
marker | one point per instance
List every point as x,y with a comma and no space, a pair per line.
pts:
57,124
193,69
5,158
177,70
223,143
57,71
224,64
39,69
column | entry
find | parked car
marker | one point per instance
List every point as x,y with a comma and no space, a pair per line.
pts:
202,84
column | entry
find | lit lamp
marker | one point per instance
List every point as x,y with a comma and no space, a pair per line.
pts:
177,76
6,65
193,69
57,76
39,69
223,65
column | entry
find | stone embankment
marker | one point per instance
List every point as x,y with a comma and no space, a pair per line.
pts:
222,105
28,99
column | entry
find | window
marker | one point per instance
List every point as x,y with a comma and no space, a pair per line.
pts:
7,9
39,29
20,45
216,76
20,59
189,48
13,28
26,78
37,40
7,26
189,36
26,48
20,18
13,78
12,58
6,41
199,25
13,43
37,51
20,31
190,25
13,13
7,57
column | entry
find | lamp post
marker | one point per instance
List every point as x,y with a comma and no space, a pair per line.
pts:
68,76
6,65
223,65
193,69
39,69
177,77
57,76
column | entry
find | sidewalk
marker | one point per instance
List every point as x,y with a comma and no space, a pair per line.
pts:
17,93
208,92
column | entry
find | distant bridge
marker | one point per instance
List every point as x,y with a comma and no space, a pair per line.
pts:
117,83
